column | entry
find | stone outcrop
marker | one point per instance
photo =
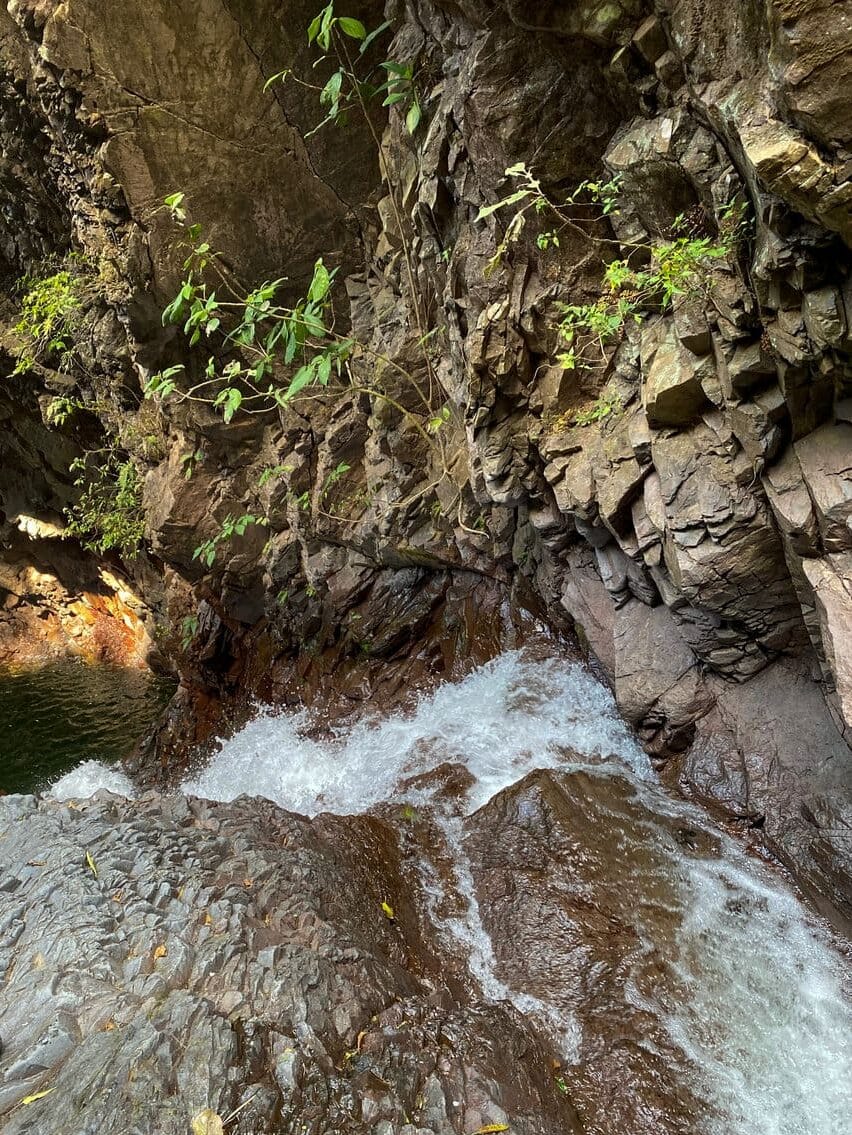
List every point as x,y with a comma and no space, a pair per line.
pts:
237,959
687,504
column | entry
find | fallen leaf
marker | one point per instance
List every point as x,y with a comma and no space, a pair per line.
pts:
207,1122
90,861
249,883
388,910
38,1096
160,952
491,1128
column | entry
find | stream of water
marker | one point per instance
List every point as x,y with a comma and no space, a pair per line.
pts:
748,994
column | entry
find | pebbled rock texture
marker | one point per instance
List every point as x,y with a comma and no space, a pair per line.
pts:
161,957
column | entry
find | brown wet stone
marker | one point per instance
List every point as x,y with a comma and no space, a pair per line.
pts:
573,875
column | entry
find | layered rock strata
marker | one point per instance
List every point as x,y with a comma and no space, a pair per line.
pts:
698,532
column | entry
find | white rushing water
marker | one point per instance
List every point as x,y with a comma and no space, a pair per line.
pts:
91,777
753,994
507,718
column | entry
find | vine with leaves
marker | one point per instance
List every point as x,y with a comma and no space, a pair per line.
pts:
647,277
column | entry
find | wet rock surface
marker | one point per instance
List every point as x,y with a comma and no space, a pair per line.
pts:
555,895
577,955
703,524
164,956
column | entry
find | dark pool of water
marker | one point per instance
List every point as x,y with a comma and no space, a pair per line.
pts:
57,716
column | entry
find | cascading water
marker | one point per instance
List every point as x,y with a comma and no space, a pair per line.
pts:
745,990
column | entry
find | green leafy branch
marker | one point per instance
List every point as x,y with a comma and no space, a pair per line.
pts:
267,353
530,198
108,514
354,83
51,313
649,278
231,526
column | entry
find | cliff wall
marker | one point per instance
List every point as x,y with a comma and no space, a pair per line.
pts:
686,504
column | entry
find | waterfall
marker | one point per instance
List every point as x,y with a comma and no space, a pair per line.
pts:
745,986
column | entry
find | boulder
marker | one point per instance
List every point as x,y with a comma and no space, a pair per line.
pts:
831,580
557,860
673,391
658,685
748,367
649,39
825,317
825,457
791,504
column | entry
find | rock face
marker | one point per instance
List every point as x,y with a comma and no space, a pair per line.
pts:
162,958
687,504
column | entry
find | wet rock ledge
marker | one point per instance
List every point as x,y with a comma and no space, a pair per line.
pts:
164,956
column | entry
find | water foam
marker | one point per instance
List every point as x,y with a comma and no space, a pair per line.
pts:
757,1003
509,717
90,777
753,991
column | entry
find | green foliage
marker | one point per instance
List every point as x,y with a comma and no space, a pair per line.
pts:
190,462
439,420
264,353
272,473
51,307
231,526
399,87
530,198
649,278
332,479
354,82
267,352
108,514
603,407
188,630
60,409
681,266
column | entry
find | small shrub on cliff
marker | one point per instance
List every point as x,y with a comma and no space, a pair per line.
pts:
266,354
646,279
51,310
605,406
108,514
231,526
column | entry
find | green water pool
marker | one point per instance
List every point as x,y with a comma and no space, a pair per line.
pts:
59,715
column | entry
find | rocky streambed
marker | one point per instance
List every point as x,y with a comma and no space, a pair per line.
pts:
483,915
